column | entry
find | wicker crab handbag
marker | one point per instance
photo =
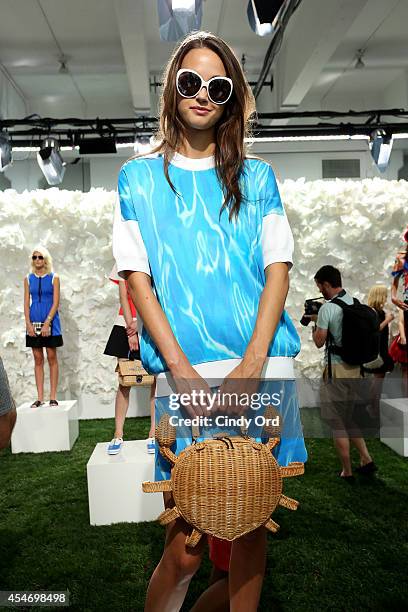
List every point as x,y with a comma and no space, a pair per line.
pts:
224,487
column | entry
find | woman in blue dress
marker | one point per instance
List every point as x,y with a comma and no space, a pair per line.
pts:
202,237
43,327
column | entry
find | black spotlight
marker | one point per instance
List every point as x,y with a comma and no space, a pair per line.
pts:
262,13
97,146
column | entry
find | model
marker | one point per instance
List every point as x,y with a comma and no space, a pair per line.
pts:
123,341
41,302
204,241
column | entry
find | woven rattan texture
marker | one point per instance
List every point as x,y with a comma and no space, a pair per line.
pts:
226,487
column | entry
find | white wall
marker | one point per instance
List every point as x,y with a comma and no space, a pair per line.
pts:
105,170
309,165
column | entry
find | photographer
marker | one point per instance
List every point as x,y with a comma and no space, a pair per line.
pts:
338,389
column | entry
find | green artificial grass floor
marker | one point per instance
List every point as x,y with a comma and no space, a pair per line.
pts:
344,549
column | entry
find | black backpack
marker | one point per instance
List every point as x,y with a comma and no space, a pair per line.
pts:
360,333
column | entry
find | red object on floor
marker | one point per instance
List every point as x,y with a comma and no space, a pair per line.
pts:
220,552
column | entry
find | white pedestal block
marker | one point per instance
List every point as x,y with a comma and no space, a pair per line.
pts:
90,406
115,485
45,429
394,424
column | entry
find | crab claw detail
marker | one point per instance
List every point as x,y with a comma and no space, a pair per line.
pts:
165,433
270,429
168,515
166,437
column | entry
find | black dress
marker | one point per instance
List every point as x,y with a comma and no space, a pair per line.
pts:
388,364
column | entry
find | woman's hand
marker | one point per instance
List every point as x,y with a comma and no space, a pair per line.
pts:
45,329
400,304
389,317
242,382
30,329
131,329
133,342
193,390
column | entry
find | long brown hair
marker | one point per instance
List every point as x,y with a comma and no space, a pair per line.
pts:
232,128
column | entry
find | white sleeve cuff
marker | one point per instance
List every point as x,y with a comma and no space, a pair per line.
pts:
131,264
128,247
277,240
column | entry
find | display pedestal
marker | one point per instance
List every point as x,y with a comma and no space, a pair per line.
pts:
394,424
90,406
45,429
115,485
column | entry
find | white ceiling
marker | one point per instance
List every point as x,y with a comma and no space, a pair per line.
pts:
113,46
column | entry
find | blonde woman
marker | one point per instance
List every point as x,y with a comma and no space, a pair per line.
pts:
41,301
377,299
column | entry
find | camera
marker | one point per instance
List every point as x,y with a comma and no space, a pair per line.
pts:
312,307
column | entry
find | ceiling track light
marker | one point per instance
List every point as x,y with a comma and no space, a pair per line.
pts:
98,145
263,14
183,5
177,18
6,155
50,161
380,144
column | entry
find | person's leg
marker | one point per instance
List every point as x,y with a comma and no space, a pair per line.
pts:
216,597
39,372
376,390
121,408
53,363
333,406
7,422
171,578
246,571
152,418
342,445
361,446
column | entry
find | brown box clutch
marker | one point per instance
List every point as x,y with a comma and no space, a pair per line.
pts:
132,374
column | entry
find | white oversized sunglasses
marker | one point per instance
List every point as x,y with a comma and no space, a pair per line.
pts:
189,83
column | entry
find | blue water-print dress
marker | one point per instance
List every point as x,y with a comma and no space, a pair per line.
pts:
208,274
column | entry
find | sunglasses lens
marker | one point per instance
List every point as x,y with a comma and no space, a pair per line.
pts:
219,90
40,257
189,84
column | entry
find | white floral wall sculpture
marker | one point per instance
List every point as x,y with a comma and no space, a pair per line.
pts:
353,225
